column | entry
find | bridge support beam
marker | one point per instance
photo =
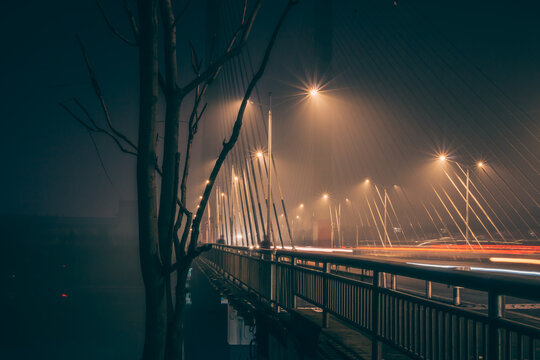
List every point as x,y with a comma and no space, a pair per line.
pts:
325,315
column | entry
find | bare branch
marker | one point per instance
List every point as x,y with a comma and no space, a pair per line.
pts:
132,21
181,13
179,202
68,110
112,28
232,50
186,262
95,127
99,94
244,11
185,234
195,63
228,145
199,116
192,129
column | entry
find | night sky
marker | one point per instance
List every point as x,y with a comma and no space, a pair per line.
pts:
50,163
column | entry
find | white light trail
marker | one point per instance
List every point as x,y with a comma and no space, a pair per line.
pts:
507,271
434,265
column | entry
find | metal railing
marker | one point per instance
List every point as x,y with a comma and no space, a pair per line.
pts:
351,289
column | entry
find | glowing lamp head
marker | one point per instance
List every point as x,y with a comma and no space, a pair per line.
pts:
347,200
366,181
259,154
480,164
207,181
200,197
325,196
313,91
236,178
442,158
301,205
297,216
222,194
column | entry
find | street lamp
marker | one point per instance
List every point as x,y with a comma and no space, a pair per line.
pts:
335,221
267,243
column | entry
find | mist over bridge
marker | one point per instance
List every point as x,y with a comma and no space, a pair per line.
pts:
384,139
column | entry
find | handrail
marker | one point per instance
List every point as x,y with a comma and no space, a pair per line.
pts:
351,289
515,286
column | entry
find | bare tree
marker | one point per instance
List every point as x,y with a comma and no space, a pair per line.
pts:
166,226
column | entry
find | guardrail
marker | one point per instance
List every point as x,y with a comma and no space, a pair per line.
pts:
351,289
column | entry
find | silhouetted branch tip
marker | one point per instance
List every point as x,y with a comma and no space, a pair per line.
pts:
112,27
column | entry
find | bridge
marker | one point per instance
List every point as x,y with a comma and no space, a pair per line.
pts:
380,300
394,192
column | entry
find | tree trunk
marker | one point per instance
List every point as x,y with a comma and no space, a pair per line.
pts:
175,334
156,315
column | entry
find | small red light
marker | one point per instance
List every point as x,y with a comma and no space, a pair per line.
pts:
64,296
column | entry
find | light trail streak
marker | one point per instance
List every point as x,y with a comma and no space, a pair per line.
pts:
515,260
475,268
434,265
316,249
506,271
485,249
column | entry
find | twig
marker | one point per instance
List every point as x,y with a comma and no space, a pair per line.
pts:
112,28
95,127
99,94
181,13
228,145
133,23
232,50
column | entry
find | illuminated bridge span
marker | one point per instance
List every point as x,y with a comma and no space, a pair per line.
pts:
388,181
379,299
383,133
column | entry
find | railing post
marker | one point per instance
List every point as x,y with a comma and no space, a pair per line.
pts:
293,281
325,316
456,295
393,279
376,349
495,312
428,289
273,279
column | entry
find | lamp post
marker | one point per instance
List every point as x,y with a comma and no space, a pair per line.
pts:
335,220
479,164
268,227
268,241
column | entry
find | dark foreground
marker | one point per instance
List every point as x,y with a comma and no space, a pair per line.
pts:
93,308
